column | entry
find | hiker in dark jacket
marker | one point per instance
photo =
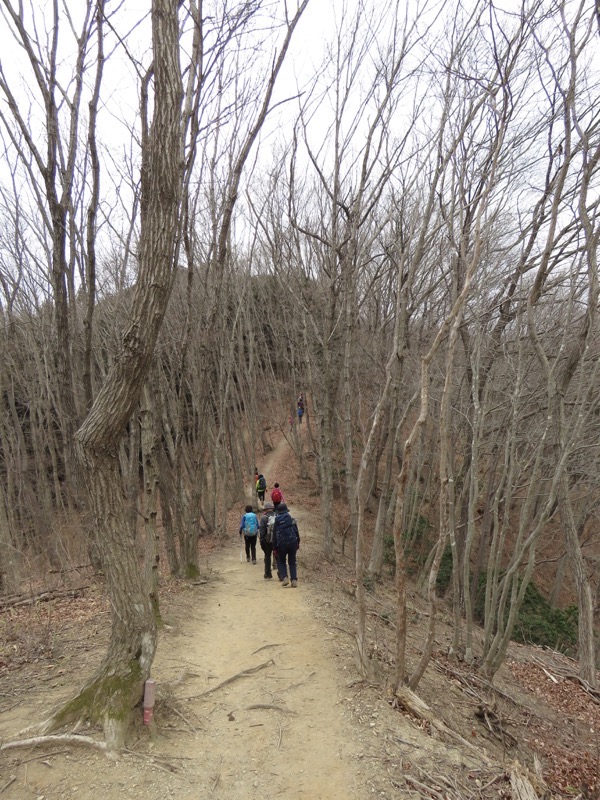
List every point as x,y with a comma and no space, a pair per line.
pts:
266,545
286,541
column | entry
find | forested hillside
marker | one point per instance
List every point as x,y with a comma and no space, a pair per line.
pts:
406,233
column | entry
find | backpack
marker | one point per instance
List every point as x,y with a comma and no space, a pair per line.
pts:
269,531
250,525
262,484
276,496
287,529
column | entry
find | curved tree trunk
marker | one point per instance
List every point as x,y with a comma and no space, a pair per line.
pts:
117,686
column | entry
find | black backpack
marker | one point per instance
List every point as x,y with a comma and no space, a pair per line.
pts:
262,484
287,528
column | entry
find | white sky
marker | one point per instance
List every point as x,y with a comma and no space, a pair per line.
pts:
120,107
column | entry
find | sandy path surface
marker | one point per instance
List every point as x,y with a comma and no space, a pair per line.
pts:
250,698
280,728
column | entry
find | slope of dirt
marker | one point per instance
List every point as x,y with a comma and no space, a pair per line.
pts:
258,695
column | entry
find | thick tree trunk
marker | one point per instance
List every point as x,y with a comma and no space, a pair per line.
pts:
111,694
149,446
117,685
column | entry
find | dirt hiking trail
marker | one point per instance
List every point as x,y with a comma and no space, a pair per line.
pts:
278,727
249,697
258,695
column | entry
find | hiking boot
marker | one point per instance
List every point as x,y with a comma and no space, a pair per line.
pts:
247,560
268,577
294,584
285,583
254,561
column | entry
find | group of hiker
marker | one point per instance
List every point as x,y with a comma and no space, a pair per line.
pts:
277,533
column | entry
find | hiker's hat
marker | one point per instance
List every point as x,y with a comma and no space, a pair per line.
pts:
268,507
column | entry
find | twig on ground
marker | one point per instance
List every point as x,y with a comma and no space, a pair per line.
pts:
8,783
343,630
300,683
418,785
245,673
500,777
474,678
165,766
43,755
172,708
216,780
266,647
268,706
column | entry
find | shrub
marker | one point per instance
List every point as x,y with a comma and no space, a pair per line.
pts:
444,576
537,621
389,554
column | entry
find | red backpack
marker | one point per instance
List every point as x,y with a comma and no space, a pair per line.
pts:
276,496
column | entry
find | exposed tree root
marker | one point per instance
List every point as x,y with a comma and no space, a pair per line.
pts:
266,647
8,783
245,673
62,738
268,706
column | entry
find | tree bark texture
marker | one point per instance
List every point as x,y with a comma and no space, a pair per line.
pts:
118,685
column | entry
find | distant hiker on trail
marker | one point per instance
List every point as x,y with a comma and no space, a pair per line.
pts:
276,495
266,536
300,405
249,528
286,542
261,488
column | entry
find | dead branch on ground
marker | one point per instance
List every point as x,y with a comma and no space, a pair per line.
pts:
41,597
245,673
495,724
268,706
266,647
408,700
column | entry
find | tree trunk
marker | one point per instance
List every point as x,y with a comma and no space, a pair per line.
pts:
117,685
587,663
149,446
111,694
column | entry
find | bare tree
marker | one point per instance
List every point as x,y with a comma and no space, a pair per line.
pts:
117,685
53,174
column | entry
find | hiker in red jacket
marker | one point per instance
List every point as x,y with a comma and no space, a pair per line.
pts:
276,495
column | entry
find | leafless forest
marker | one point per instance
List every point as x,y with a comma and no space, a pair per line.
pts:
407,232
